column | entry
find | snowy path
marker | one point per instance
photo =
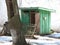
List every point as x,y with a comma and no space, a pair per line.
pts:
41,40
5,40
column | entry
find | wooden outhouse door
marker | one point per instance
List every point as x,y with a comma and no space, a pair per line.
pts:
37,21
44,22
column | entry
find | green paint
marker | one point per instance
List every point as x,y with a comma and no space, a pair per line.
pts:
44,18
44,22
25,17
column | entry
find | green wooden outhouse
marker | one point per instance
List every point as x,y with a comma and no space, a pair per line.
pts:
37,16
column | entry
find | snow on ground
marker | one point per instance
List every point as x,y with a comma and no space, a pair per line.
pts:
6,43
5,40
54,35
41,40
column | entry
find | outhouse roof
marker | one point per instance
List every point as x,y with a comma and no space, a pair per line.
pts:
37,8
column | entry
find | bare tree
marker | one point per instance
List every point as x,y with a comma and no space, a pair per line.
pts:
14,23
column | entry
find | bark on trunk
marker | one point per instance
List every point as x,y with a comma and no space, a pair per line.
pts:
14,24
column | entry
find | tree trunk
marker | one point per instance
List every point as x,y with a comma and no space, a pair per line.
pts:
14,23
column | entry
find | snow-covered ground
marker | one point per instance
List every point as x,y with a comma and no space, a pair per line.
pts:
5,40
5,43
41,40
